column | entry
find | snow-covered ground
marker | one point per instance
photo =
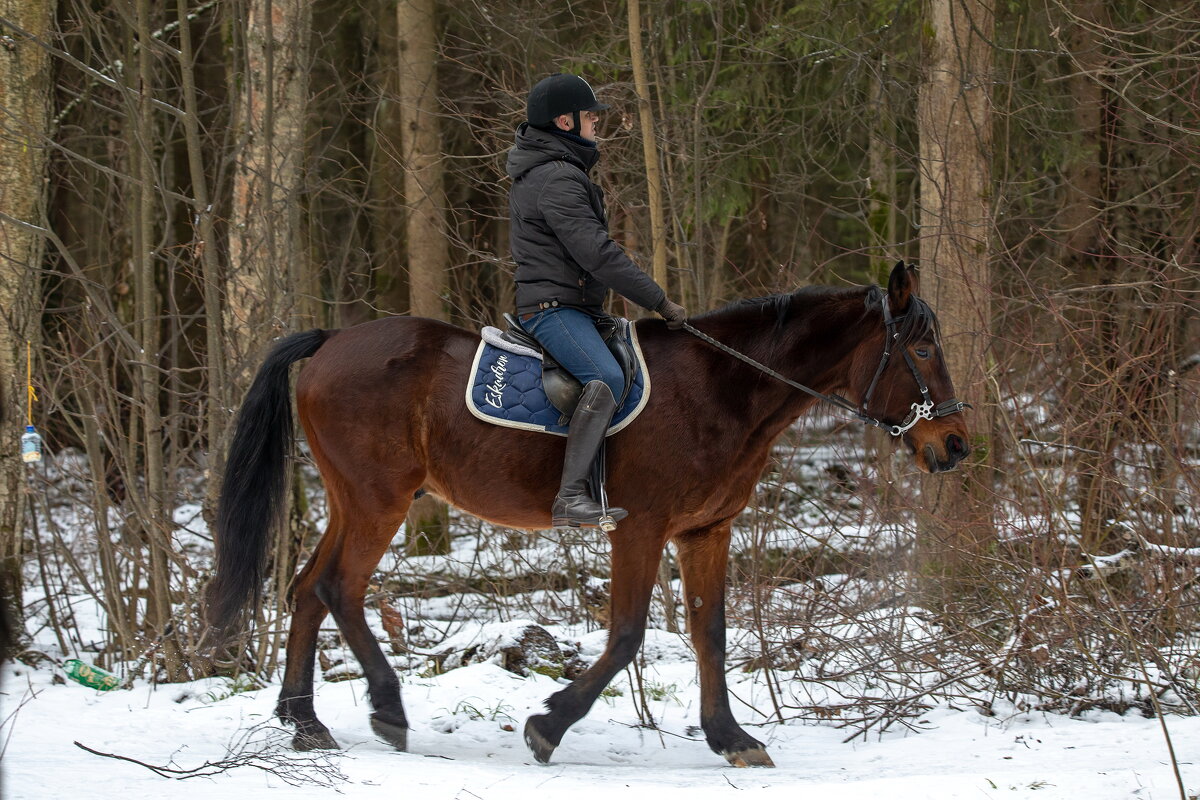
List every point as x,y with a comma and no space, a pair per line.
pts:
466,743
843,649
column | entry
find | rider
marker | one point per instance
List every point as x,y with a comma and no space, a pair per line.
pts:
566,263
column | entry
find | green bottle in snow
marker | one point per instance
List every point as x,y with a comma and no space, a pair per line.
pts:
91,676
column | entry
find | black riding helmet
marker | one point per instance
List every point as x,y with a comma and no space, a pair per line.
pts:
560,94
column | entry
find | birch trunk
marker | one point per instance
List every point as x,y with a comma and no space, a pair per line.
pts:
268,253
266,248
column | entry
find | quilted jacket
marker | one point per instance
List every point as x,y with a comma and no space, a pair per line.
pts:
559,230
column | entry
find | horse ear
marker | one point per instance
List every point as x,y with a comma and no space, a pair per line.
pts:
901,286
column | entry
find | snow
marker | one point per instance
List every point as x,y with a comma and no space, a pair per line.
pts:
849,647
466,742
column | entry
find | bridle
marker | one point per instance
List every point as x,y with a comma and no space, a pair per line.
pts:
919,411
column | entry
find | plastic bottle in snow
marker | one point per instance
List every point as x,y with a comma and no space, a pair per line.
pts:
91,676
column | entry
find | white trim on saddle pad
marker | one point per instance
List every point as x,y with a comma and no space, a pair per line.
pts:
526,426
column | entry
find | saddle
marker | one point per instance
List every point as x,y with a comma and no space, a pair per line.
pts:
562,388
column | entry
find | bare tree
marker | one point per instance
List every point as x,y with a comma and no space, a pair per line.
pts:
425,199
266,243
954,122
25,101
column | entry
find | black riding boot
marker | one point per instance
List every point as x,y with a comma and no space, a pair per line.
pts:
574,506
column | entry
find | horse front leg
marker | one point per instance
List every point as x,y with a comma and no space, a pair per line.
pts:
635,559
703,560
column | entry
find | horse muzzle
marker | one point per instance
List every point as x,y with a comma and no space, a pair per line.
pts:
956,450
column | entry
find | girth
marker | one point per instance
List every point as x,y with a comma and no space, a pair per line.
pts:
562,388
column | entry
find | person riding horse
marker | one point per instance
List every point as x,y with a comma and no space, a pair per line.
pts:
566,264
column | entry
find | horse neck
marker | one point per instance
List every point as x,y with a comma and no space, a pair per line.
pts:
817,345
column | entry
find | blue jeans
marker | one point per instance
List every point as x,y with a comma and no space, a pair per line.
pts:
570,337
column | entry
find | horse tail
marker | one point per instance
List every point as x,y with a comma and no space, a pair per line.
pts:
254,491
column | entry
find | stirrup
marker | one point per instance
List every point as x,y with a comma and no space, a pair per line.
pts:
605,519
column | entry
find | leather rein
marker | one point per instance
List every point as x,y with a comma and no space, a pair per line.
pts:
923,410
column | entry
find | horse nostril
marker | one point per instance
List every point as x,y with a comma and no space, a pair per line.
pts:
956,447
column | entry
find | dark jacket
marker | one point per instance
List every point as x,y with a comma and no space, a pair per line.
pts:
559,231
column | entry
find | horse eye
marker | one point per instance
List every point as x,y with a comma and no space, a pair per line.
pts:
922,352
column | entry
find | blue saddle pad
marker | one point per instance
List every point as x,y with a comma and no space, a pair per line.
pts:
506,389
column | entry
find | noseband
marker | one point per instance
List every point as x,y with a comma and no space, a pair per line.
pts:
923,410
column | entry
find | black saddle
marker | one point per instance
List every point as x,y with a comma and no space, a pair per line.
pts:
562,388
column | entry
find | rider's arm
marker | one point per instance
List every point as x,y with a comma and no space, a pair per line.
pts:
567,209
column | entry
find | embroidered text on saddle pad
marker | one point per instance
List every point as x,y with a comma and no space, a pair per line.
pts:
506,389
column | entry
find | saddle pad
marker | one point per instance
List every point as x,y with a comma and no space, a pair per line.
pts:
506,389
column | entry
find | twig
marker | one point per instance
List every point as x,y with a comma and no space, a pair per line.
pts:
248,751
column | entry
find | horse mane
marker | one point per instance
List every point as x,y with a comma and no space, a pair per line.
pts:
917,323
779,307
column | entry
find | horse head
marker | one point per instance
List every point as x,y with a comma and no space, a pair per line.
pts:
908,387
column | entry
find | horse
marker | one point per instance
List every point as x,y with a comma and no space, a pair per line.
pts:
382,405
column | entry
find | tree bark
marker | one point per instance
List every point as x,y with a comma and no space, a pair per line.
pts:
954,125
654,183
386,170
155,518
266,248
1088,256
25,102
421,152
425,198
204,248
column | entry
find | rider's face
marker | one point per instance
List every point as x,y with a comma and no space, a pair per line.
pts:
587,124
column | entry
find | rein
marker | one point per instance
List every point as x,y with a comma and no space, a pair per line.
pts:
923,410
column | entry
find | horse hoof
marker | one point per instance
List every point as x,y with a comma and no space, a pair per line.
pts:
753,757
390,732
538,744
314,740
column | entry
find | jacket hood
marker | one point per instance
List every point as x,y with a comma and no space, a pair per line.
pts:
536,147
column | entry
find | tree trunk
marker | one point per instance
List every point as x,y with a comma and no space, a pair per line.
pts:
421,152
654,183
425,198
386,170
266,248
155,517
954,125
25,101
1087,253
216,416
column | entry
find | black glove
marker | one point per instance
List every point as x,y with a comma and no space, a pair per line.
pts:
673,313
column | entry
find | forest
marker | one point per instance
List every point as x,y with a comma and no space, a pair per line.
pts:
184,182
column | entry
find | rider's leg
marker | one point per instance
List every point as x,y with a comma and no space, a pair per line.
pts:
570,337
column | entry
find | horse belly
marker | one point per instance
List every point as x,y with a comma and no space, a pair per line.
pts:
503,476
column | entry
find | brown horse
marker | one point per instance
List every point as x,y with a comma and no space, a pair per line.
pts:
382,406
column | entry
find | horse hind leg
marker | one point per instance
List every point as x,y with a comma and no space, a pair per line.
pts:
295,705
342,588
703,559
